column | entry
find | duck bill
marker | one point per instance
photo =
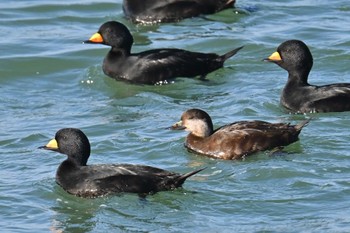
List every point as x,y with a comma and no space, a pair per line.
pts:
275,57
52,145
95,39
177,126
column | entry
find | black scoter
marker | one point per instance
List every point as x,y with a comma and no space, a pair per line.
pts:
158,11
80,179
235,140
153,66
298,95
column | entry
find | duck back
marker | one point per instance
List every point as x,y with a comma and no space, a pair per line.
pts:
157,11
243,138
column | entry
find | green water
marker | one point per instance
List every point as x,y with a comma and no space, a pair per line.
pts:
50,80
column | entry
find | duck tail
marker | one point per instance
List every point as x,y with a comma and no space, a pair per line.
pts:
230,54
301,125
181,179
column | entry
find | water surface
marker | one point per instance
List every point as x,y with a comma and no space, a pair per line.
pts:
50,80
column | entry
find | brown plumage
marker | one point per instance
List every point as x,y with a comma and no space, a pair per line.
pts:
235,140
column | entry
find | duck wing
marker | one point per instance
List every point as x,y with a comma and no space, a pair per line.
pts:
242,138
329,98
254,125
152,11
100,180
157,65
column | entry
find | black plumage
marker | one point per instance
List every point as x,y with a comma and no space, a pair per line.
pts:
153,66
158,11
298,95
80,179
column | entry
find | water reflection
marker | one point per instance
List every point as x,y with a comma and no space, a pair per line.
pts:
129,212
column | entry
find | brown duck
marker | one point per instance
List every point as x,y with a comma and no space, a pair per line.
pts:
235,140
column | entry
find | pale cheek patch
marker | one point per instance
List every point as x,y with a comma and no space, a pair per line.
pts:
198,128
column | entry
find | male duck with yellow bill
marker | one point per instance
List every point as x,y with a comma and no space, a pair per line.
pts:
298,96
80,179
155,66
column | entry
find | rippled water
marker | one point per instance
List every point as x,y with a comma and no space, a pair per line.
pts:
50,80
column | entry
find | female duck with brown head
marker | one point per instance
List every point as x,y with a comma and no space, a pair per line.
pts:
235,140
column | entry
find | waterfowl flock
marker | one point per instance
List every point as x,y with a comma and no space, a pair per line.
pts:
233,141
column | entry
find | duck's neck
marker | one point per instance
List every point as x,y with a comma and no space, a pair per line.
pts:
201,135
70,164
120,51
295,91
65,173
207,133
298,78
